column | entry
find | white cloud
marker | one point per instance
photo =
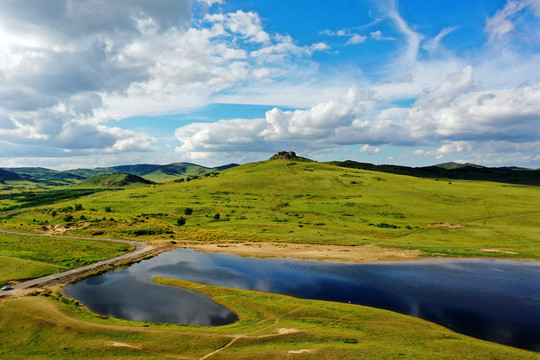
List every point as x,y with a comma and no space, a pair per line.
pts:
321,46
371,150
452,111
66,68
378,35
356,39
502,22
307,127
433,45
449,148
454,117
211,2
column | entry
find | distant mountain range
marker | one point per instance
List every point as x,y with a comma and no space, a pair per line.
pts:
151,172
171,172
452,170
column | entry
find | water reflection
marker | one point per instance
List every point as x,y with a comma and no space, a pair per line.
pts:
495,300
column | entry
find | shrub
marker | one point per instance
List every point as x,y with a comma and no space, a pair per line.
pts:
217,216
68,218
53,213
78,207
181,221
188,211
108,209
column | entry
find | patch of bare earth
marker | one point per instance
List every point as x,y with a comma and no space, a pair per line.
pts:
447,225
120,344
499,251
363,253
62,228
284,331
300,351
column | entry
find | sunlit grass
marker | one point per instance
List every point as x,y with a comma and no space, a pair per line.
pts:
308,202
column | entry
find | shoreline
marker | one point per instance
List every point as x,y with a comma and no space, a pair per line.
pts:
337,253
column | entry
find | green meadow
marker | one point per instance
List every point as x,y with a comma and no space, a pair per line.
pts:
269,327
27,257
309,202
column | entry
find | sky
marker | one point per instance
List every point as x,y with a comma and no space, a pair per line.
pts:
87,83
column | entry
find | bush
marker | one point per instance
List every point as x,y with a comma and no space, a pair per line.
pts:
188,211
217,216
181,221
78,207
68,218
108,209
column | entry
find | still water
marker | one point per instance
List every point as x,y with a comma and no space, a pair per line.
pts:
496,300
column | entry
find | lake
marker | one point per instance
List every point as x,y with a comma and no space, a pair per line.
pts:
495,300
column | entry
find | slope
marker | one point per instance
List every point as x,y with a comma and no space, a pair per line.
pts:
307,202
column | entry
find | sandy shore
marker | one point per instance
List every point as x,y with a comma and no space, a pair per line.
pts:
359,254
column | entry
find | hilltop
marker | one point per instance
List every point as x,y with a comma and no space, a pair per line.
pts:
113,180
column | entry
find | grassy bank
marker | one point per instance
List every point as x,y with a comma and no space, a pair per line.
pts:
269,327
26,257
308,202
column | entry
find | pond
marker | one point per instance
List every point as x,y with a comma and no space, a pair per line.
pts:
495,300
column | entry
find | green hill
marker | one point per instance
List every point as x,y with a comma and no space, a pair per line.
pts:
310,202
152,172
113,180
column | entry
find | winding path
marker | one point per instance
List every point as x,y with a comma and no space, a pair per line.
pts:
139,250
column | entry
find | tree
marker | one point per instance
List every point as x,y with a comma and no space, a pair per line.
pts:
181,221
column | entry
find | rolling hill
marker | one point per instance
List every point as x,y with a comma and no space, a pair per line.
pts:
152,172
113,180
292,201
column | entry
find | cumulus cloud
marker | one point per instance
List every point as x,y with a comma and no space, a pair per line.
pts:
371,150
278,128
453,116
452,111
68,67
356,39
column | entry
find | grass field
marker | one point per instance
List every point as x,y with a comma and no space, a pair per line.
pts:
308,202
26,257
269,327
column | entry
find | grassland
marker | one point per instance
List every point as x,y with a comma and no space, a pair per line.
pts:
308,202
269,327
275,201
26,257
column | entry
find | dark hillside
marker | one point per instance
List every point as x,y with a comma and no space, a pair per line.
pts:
509,175
8,175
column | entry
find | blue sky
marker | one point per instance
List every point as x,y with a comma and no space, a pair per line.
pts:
92,83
